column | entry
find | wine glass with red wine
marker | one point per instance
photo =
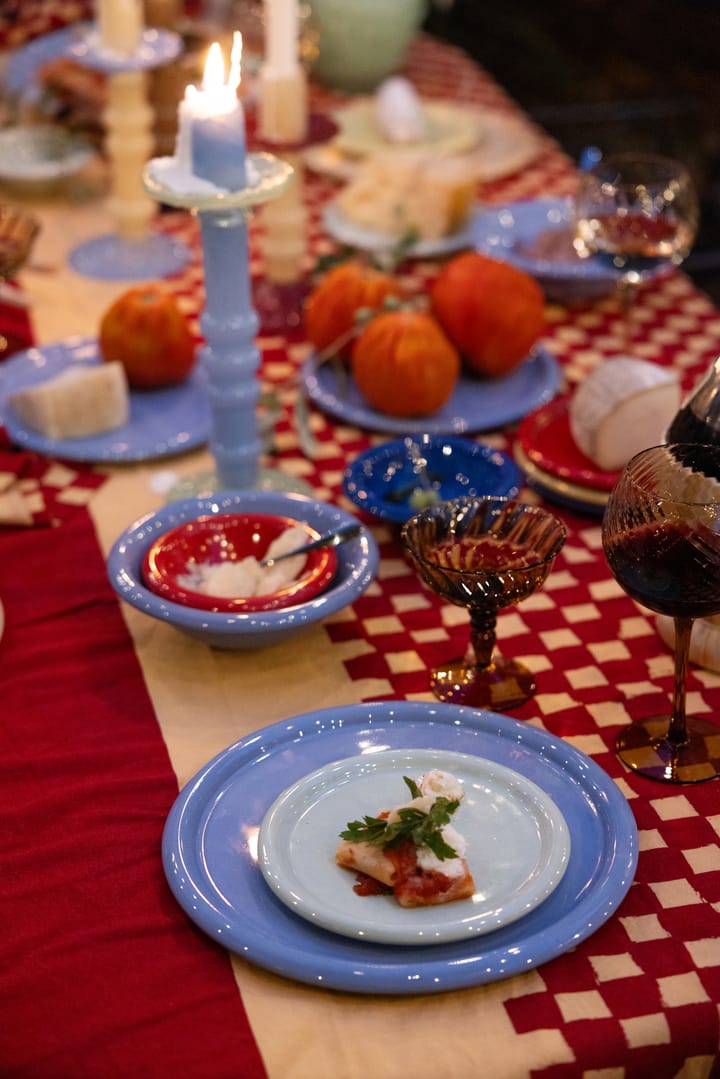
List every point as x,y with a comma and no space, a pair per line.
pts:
636,213
661,536
483,554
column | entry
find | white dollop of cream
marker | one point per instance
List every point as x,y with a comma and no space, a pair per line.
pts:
245,577
399,112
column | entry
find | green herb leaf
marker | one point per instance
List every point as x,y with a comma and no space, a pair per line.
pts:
425,829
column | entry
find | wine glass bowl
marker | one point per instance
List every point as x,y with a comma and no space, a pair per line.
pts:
483,554
661,537
637,213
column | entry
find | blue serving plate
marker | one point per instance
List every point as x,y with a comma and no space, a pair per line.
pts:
384,480
476,404
513,233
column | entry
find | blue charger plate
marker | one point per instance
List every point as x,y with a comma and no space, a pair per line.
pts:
209,848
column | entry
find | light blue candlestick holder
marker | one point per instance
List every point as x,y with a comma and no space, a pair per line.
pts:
229,322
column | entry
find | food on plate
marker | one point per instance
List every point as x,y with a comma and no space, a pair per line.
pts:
404,365
398,111
245,577
145,330
332,308
83,400
73,95
428,197
622,407
492,312
412,850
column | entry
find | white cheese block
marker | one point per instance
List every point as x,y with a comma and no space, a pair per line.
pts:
84,400
398,111
622,407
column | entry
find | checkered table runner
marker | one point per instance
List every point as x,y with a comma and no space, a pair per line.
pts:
645,988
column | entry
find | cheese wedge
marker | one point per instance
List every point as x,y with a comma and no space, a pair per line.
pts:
432,198
84,400
622,407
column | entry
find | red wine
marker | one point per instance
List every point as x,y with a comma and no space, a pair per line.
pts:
671,568
486,553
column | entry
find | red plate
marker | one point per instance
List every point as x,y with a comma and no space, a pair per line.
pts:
232,537
547,441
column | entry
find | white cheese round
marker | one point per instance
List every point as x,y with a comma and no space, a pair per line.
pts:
622,407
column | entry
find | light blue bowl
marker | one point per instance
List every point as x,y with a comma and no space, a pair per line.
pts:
383,480
357,564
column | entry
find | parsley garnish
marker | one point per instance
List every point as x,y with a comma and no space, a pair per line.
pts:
425,829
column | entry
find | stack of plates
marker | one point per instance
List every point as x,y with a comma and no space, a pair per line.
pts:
555,466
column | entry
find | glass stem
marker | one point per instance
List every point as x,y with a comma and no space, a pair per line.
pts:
482,637
677,732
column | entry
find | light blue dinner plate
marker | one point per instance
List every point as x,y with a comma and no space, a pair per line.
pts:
385,482
357,562
162,422
211,835
535,236
476,404
518,846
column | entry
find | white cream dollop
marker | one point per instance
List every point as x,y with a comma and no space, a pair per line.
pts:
398,111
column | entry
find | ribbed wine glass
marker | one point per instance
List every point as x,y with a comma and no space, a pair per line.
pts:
483,554
661,536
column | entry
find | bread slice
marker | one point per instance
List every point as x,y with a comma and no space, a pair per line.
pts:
84,400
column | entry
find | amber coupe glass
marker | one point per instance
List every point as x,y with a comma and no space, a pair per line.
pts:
661,535
483,554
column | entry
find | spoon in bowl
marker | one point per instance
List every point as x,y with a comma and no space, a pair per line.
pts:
329,539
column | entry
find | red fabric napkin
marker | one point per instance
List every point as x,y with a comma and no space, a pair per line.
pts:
104,977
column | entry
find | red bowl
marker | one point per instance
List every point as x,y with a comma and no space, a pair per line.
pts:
231,537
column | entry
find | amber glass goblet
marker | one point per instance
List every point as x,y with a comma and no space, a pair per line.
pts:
661,536
483,554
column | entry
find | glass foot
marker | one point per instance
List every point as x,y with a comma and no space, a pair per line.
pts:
644,748
113,258
504,684
279,307
201,484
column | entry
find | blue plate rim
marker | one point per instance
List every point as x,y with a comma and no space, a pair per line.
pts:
476,404
262,930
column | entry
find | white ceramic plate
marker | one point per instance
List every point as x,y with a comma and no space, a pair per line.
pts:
518,847
345,231
494,144
38,153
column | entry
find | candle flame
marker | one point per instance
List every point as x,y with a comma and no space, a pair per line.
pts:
214,74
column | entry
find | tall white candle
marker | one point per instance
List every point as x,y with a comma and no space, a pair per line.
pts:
120,24
282,28
211,124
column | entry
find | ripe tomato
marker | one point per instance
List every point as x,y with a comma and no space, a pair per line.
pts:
491,311
404,365
147,332
331,307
